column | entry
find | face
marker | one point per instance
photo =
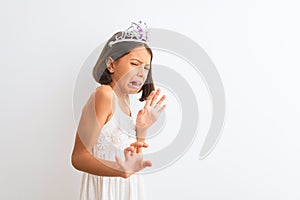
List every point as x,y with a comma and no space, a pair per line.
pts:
130,71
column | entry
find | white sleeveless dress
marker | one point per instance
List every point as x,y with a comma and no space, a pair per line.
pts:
117,134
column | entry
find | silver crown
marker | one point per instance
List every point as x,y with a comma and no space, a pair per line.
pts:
137,32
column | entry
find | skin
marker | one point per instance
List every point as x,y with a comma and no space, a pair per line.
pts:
131,67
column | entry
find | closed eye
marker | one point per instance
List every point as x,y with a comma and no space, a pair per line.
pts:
135,64
147,67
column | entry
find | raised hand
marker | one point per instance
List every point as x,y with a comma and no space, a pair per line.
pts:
151,111
138,146
134,160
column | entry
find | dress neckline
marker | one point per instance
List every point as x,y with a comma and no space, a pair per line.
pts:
117,104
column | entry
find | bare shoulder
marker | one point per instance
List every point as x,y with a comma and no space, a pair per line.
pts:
103,95
103,101
104,91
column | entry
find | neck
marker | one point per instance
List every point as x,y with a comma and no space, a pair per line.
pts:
121,95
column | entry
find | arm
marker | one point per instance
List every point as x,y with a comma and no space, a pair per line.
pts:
84,161
95,114
148,115
141,134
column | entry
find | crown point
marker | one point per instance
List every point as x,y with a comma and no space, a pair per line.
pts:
137,32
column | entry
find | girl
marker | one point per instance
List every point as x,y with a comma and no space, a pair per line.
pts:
108,144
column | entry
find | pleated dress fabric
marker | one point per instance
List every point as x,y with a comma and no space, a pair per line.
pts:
117,134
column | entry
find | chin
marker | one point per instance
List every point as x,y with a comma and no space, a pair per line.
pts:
131,91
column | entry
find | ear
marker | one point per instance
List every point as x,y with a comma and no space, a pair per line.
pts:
110,65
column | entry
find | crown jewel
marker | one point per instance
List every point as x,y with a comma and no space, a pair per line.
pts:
137,32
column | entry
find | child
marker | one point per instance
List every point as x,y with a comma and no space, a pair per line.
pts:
108,144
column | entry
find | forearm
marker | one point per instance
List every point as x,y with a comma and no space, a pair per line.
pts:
83,160
88,163
141,134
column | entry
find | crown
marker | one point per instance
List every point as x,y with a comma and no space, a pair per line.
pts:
137,32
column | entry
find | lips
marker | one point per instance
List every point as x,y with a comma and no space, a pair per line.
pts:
135,84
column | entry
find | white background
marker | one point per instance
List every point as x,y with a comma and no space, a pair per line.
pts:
254,45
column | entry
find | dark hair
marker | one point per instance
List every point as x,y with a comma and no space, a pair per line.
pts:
117,51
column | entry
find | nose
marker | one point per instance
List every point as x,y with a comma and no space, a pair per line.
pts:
140,71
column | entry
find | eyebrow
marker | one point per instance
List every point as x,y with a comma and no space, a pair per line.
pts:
138,60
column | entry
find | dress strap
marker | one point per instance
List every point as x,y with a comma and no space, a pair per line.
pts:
124,121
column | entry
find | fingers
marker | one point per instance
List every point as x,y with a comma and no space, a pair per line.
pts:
158,104
140,147
139,150
147,163
149,99
161,100
155,97
139,144
137,147
162,108
152,98
145,145
130,149
128,152
136,144
133,162
119,161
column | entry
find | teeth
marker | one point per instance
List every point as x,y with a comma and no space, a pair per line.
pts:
135,84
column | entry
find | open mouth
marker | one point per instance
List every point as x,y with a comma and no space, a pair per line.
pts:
135,84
